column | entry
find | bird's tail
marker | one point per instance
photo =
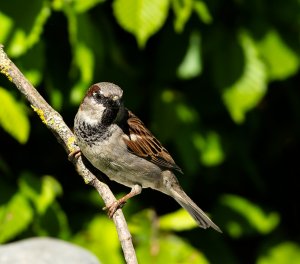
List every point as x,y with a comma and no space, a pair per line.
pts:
186,202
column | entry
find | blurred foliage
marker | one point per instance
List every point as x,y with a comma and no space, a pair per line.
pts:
252,218
217,82
153,245
13,117
286,252
31,207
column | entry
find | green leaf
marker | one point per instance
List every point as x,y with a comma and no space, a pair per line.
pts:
142,18
282,62
13,117
183,10
210,148
21,30
177,221
14,217
6,26
85,61
173,249
85,39
155,245
81,6
140,224
259,220
191,66
101,238
41,191
248,90
167,248
202,11
50,190
285,252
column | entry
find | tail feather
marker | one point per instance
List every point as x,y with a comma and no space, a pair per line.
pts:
200,217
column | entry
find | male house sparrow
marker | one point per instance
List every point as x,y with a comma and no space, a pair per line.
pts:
117,143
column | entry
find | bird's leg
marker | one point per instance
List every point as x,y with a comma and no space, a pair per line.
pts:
111,209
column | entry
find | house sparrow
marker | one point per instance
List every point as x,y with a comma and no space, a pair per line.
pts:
118,144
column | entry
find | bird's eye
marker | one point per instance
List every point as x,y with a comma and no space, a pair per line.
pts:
97,96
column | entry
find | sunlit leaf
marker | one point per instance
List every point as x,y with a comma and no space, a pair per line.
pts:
246,92
173,249
140,223
86,46
177,221
13,118
84,5
56,96
6,26
201,9
285,252
79,6
100,237
142,18
183,10
191,66
166,248
57,5
25,27
14,217
154,245
85,62
281,60
210,148
256,217
41,191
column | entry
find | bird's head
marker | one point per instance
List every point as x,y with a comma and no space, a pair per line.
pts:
102,103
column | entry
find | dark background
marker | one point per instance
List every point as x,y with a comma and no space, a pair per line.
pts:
244,172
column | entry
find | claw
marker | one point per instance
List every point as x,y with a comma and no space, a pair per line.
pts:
111,209
75,154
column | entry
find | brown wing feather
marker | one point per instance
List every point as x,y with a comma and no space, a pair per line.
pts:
142,143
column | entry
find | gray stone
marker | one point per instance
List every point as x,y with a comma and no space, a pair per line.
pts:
45,251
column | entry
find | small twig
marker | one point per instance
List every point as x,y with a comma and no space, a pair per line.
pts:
64,135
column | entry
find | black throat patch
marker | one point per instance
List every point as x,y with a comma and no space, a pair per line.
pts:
97,132
91,134
110,113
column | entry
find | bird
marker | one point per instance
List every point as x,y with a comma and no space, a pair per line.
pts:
117,143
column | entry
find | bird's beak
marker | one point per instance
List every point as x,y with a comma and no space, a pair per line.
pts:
115,98
117,101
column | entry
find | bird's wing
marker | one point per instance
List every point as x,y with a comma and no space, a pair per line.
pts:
142,143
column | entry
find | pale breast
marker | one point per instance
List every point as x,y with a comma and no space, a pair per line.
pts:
111,156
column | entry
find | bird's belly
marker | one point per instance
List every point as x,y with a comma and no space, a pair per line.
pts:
123,167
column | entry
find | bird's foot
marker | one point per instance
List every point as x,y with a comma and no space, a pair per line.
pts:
74,155
111,209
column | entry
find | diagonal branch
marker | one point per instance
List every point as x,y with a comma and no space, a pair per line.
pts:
65,137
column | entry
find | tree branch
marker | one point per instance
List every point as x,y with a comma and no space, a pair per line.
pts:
61,131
